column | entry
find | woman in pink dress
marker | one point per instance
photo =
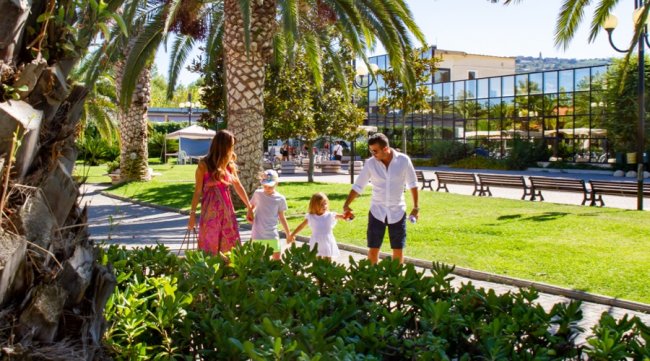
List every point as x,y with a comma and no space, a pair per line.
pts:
218,228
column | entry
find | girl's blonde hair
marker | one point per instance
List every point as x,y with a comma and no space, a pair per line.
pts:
316,202
221,156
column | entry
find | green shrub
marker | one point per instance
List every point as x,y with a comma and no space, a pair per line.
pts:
448,152
303,308
422,162
361,149
96,150
525,153
112,166
475,162
156,143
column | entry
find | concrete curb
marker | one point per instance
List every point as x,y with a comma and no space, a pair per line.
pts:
460,271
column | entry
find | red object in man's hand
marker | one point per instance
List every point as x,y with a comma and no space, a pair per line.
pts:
348,215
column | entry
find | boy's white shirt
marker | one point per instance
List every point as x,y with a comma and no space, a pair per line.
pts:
267,207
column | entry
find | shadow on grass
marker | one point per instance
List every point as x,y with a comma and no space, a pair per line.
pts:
543,217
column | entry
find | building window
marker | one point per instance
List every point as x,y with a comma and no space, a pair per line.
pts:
442,75
471,75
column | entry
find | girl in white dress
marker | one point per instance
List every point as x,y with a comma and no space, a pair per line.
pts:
322,222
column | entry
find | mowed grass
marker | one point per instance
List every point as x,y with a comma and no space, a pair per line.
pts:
598,250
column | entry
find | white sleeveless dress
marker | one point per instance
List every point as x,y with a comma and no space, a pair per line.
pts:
321,234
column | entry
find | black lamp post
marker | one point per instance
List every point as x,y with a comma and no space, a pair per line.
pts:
189,106
610,24
362,80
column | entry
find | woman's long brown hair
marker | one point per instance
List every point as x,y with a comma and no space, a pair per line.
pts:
221,157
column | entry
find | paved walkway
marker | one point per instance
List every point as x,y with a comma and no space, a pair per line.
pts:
133,225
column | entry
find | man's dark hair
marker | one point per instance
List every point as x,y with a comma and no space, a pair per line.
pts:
379,139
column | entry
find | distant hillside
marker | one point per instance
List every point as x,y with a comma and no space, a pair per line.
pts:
527,64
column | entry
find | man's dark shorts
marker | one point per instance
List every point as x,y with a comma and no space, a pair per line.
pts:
377,230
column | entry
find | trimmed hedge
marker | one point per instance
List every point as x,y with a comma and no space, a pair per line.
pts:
305,308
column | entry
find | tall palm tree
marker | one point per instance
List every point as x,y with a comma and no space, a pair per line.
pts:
255,32
52,289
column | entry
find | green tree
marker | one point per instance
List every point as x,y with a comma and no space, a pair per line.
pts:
403,97
622,114
257,32
296,108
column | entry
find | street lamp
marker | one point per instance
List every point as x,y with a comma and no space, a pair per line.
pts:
189,105
610,24
363,79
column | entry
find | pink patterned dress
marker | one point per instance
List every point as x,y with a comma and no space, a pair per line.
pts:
218,228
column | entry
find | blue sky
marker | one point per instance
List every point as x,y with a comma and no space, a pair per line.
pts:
480,27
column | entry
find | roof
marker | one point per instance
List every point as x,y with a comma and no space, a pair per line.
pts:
192,132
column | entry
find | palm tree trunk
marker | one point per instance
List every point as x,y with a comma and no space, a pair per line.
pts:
245,76
134,154
52,289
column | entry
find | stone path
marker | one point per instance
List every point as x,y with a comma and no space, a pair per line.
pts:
116,221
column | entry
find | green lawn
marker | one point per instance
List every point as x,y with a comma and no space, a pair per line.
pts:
598,250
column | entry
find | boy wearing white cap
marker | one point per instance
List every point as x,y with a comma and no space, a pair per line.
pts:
268,205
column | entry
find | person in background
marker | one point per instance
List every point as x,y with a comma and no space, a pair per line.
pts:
268,206
389,171
216,172
285,152
322,222
338,151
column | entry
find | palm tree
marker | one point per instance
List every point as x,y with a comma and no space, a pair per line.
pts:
251,36
257,32
52,288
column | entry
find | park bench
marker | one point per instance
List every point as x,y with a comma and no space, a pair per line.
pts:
539,184
504,181
445,178
614,188
426,183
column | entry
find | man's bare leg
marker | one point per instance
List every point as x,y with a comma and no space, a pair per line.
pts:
373,255
398,255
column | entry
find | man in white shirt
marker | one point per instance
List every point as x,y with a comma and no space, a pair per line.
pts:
338,151
388,171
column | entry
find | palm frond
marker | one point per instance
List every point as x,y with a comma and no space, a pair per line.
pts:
181,49
139,56
568,20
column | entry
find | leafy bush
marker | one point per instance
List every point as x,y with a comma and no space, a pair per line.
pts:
304,308
156,145
112,166
448,152
96,150
525,153
361,149
421,162
480,163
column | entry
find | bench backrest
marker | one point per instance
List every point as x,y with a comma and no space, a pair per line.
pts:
456,177
501,179
420,175
614,187
558,183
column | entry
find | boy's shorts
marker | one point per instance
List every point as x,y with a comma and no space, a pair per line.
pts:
272,243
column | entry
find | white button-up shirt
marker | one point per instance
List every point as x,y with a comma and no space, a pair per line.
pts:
388,183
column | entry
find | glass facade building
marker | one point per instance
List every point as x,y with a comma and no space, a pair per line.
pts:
564,109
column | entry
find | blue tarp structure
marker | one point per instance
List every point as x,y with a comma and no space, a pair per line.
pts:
193,141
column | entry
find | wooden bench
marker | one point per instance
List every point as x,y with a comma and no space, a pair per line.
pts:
539,184
502,180
426,183
614,188
445,178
